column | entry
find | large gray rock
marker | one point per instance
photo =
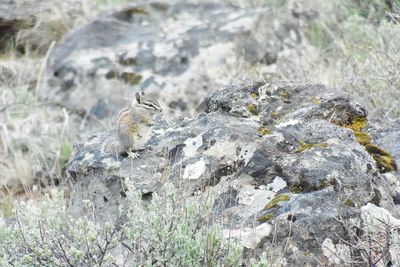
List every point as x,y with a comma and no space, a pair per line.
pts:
283,160
14,16
179,52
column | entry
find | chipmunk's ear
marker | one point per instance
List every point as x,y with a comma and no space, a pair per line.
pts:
138,98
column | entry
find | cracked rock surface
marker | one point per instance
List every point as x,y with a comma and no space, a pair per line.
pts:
283,160
177,51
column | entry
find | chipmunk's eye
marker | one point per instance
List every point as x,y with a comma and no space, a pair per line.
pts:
138,98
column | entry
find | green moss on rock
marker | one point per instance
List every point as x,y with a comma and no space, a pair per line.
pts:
296,189
253,109
265,218
325,183
131,78
350,203
264,131
317,100
357,124
276,114
284,95
303,186
363,138
276,200
384,159
305,146
136,10
254,95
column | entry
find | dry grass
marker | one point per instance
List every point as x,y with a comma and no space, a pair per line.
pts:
52,23
359,55
33,134
35,137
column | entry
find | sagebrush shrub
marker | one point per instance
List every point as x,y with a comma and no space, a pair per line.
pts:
161,232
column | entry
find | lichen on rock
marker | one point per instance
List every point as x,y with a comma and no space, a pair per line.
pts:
258,179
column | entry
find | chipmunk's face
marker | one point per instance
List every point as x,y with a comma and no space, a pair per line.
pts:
146,106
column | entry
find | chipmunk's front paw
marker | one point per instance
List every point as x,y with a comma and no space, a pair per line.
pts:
133,155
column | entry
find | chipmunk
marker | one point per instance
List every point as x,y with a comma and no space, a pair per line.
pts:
133,125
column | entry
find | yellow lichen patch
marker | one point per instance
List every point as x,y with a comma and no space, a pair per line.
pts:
265,217
325,183
374,149
131,78
303,186
284,96
305,146
350,203
275,201
384,160
317,100
363,138
296,189
275,114
254,95
253,109
357,124
137,10
264,131
385,163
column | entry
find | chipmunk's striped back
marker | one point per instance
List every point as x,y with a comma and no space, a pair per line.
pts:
121,117
122,113
125,122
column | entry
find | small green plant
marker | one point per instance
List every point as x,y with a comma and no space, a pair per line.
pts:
165,233
6,206
157,232
48,236
65,153
371,239
354,46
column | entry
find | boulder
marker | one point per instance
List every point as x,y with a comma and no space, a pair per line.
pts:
286,163
14,16
177,51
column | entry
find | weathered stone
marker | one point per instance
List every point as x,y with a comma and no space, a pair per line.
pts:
15,15
179,52
222,152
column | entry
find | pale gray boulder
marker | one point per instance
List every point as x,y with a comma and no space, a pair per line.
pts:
176,51
283,161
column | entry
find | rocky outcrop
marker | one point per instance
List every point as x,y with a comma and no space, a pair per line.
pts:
15,15
179,52
286,162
